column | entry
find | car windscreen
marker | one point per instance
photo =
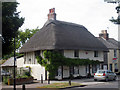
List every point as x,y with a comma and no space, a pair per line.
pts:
100,71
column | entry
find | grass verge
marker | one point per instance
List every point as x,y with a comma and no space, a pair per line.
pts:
60,85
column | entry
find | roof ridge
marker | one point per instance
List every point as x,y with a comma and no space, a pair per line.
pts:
61,22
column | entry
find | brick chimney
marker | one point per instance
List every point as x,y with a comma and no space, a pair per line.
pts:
52,14
104,34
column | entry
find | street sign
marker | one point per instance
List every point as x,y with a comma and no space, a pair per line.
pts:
114,60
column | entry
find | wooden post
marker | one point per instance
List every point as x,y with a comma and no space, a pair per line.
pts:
41,78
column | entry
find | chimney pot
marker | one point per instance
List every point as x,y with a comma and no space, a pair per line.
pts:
104,34
52,14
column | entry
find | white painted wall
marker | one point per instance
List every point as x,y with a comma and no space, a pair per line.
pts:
69,53
84,54
30,56
36,71
36,68
20,62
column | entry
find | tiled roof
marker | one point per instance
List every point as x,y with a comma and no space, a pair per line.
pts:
111,43
9,62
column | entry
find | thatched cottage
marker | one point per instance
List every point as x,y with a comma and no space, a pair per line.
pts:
73,40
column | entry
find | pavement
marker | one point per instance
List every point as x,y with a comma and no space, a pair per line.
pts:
36,83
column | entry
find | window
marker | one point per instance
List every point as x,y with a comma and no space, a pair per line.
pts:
94,68
115,65
29,61
115,53
37,53
76,70
95,53
76,53
111,67
116,68
71,70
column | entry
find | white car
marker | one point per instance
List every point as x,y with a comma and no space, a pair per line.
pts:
104,75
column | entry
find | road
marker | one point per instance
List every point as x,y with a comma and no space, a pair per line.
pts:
90,83
98,85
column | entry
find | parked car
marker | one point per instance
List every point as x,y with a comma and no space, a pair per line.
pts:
4,73
104,75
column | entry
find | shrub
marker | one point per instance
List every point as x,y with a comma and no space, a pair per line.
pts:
5,79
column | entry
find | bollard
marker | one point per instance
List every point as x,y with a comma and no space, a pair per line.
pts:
41,78
70,79
23,87
48,81
70,82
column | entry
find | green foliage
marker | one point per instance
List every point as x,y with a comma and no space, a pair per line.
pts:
39,59
53,59
11,55
11,22
26,74
26,35
10,25
20,40
5,79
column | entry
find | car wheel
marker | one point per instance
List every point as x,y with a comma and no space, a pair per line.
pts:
106,79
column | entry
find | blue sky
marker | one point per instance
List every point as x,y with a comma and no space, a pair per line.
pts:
93,14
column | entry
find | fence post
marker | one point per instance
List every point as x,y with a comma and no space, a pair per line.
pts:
23,87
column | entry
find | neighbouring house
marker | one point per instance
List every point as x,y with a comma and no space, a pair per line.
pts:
113,56
73,40
8,66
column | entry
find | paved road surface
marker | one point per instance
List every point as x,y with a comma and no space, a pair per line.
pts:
89,82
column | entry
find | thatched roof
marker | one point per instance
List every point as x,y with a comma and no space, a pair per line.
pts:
61,35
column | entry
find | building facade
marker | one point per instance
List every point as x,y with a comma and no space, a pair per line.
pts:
113,56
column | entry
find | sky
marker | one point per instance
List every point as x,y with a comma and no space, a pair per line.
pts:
93,14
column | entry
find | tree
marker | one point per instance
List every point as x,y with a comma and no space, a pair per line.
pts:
23,36
20,39
10,25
